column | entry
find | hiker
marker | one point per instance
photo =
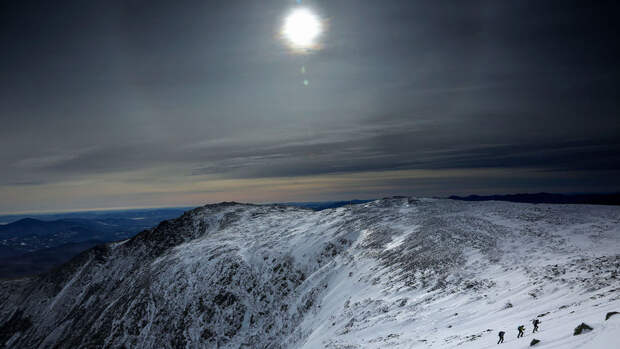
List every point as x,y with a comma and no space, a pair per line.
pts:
520,329
535,323
501,337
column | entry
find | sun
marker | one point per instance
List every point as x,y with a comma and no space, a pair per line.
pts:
302,28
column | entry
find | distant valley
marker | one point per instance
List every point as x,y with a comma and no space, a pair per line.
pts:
35,243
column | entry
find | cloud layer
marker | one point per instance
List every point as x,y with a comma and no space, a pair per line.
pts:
143,103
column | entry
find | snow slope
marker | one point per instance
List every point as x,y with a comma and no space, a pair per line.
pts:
393,273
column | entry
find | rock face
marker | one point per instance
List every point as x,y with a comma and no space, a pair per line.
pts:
391,273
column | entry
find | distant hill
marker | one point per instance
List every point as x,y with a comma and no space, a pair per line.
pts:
33,244
152,215
548,198
29,234
35,227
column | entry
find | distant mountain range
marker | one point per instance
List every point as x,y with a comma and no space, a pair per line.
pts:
38,228
29,234
148,214
548,198
32,245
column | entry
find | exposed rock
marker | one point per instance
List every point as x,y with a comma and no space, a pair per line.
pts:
610,314
534,342
583,328
16,324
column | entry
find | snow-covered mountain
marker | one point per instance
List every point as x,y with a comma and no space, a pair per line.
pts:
393,273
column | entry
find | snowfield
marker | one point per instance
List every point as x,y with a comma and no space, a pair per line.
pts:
393,273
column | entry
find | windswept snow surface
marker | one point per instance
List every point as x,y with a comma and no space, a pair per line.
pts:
393,273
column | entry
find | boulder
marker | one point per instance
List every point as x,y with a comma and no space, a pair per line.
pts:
534,342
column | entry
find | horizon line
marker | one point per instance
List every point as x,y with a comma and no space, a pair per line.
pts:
129,208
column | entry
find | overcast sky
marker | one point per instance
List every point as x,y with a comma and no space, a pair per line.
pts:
158,103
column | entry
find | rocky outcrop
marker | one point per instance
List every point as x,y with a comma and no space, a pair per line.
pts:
583,328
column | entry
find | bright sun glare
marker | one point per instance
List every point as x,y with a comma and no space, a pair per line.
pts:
302,28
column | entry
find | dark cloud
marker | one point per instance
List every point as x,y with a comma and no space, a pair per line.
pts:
176,91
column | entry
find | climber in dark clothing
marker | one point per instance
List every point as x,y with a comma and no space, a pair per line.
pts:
535,323
520,329
501,337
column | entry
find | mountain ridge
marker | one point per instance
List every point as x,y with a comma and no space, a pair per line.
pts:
364,276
